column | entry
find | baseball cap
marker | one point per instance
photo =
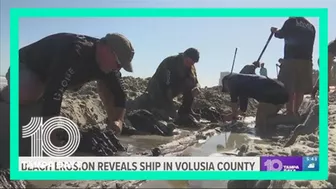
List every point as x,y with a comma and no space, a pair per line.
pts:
192,53
123,49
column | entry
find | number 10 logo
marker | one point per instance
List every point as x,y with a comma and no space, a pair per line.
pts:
273,165
40,133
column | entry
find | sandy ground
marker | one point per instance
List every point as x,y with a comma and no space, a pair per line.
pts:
85,108
303,145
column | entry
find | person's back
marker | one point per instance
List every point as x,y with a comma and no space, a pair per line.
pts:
260,88
248,69
299,35
172,67
297,67
42,55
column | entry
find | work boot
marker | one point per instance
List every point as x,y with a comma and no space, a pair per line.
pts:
188,110
187,120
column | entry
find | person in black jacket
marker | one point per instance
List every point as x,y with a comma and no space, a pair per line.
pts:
270,93
63,61
296,68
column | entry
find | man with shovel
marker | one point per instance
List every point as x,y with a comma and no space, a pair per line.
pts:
296,68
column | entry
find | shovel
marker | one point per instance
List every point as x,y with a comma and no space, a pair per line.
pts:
234,60
267,42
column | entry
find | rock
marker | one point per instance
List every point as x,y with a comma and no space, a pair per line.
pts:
156,152
332,179
84,106
241,183
262,184
99,143
309,126
187,121
5,182
304,183
144,121
253,153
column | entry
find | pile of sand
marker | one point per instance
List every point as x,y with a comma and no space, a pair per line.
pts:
84,107
303,142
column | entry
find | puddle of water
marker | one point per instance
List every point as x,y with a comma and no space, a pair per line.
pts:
139,143
225,143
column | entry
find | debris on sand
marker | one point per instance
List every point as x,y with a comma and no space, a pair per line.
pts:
303,141
99,143
144,121
85,108
5,181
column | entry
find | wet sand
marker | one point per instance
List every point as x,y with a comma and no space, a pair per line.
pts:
219,145
226,144
87,110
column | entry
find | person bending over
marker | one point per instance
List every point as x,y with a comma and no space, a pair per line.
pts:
63,61
270,93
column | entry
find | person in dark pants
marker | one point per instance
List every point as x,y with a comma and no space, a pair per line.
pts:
65,61
250,68
270,93
176,75
296,67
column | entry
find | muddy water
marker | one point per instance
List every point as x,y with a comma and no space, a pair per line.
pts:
220,145
139,143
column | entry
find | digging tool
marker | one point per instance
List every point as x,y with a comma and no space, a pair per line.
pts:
234,60
267,42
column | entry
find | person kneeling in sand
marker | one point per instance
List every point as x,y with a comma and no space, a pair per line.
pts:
176,75
64,61
270,93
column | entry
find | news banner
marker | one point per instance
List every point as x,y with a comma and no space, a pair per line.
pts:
264,163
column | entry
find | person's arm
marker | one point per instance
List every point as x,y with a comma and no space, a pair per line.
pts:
285,30
194,75
114,82
165,77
